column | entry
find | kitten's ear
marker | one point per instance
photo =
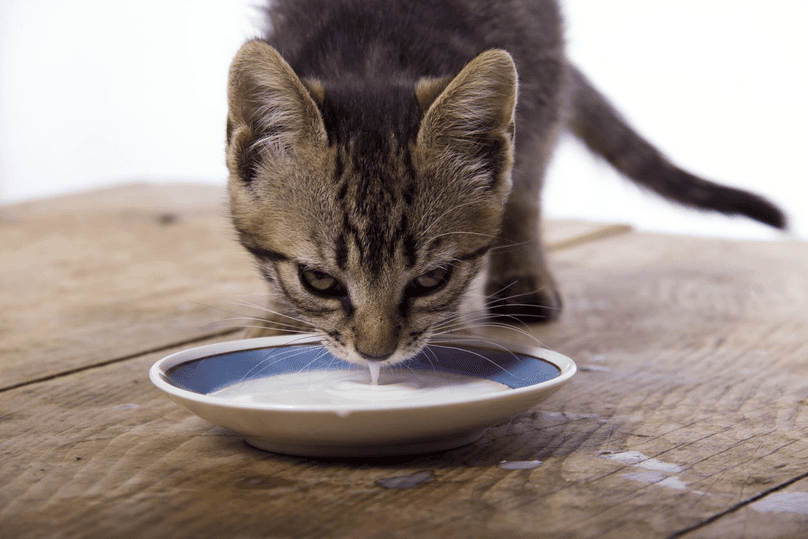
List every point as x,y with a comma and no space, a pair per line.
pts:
429,89
268,106
470,124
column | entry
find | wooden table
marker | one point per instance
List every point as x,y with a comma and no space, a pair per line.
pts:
688,418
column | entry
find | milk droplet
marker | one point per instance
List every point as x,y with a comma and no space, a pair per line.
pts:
520,464
374,373
406,481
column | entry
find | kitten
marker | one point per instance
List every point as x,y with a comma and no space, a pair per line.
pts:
379,163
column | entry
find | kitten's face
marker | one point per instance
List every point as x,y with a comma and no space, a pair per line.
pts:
370,235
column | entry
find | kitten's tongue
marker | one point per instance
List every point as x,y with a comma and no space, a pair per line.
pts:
374,373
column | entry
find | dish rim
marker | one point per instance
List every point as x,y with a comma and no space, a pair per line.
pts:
158,375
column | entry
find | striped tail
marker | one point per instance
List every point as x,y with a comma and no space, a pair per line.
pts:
606,133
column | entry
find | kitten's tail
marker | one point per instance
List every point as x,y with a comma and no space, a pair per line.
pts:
593,120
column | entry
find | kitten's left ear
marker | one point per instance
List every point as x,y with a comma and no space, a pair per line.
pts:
470,124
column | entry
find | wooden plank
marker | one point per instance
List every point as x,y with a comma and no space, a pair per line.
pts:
780,513
691,400
104,275
703,344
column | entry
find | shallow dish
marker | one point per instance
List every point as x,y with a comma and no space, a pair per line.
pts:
288,395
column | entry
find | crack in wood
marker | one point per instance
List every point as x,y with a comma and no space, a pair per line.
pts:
738,506
134,355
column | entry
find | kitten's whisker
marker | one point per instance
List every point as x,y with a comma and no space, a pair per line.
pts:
490,342
481,323
498,345
484,319
283,355
526,305
265,323
279,355
489,360
453,317
320,354
464,319
284,331
505,298
458,323
405,366
492,301
272,311
493,294
274,324
435,357
498,325
511,245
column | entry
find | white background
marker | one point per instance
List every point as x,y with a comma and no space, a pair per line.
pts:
95,93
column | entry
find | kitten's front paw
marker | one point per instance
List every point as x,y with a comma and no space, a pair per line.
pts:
524,300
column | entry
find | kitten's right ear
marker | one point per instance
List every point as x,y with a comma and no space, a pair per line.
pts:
269,109
469,121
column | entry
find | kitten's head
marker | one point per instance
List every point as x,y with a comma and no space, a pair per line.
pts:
369,207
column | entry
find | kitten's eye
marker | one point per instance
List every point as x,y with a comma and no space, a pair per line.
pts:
429,282
321,284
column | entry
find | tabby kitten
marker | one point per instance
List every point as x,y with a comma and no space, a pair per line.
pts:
376,172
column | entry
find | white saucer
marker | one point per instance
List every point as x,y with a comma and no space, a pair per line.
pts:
288,395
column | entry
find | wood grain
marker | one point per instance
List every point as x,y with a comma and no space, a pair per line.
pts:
690,410
103,275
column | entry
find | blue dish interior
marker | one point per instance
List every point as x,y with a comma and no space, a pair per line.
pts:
211,373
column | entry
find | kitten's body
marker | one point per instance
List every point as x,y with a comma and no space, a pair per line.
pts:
374,167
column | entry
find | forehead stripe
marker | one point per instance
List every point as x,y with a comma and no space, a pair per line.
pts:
342,252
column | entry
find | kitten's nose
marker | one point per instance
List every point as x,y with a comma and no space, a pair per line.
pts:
373,357
375,335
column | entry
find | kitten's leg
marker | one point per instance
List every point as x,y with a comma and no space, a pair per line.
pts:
520,285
